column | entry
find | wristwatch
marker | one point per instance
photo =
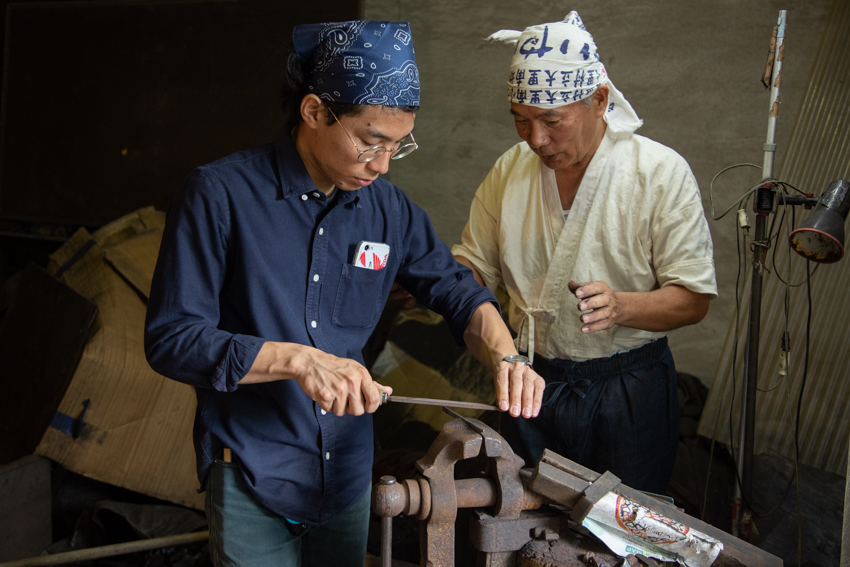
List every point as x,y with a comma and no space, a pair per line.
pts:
517,358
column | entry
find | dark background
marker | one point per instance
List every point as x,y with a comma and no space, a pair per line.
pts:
108,105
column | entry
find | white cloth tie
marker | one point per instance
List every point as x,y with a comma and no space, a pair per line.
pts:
527,325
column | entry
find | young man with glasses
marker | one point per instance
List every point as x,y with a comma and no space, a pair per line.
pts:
258,302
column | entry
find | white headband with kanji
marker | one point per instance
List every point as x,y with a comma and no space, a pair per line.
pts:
556,64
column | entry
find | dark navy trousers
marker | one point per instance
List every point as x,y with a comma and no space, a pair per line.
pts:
619,413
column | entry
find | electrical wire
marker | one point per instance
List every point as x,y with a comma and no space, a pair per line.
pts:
799,407
734,361
771,237
744,198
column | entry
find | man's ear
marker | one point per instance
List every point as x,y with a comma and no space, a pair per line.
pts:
312,111
600,97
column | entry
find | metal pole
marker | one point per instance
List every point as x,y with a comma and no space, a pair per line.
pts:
387,529
109,550
773,112
759,250
752,374
387,542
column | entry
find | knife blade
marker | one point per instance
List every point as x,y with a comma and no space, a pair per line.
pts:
432,402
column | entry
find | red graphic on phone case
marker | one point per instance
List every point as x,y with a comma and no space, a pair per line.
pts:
372,261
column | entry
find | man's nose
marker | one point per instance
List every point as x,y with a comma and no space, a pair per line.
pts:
380,165
538,137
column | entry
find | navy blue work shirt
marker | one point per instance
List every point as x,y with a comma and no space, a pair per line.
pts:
254,252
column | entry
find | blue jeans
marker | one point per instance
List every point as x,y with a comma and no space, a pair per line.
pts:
244,533
619,413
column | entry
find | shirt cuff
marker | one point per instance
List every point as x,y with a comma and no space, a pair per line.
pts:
695,275
237,361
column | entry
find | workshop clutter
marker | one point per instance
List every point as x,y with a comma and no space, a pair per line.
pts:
543,516
119,421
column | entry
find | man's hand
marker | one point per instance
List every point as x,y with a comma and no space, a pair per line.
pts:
402,296
338,385
659,310
519,389
519,386
599,305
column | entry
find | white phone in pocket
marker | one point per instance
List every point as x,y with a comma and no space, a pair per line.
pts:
371,255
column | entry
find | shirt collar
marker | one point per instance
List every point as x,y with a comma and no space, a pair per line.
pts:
294,178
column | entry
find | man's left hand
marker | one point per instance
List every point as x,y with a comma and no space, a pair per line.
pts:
599,304
401,296
519,389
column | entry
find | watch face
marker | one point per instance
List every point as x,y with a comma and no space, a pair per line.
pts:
516,358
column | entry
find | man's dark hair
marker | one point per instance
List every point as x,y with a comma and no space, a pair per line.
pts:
294,89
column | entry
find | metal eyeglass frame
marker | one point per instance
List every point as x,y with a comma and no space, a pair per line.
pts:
378,150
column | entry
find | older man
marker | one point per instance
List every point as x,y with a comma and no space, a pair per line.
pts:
601,242
274,267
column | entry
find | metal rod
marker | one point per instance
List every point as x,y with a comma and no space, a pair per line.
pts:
109,550
386,526
773,112
753,337
431,402
754,326
387,542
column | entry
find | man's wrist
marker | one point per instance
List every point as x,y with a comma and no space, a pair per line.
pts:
513,358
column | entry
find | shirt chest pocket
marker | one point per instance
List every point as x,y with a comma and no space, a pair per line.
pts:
359,297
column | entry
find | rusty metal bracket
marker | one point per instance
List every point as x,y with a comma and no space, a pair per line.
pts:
593,494
493,535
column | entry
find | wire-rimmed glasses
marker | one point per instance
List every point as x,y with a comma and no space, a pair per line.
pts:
373,153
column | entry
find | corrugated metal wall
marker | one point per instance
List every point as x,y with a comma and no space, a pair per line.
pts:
819,152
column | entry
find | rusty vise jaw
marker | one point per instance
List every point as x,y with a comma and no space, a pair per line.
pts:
463,438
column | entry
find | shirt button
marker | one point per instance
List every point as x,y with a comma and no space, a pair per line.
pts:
321,231
324,412
303,197
316,278
313,324
316,195
327,456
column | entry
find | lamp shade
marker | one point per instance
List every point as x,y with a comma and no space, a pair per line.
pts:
821,237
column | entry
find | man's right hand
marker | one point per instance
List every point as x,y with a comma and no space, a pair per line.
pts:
338,385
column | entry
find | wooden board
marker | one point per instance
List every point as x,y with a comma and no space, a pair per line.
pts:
42,338
137,430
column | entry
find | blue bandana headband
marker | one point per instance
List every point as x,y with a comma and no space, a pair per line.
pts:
359,62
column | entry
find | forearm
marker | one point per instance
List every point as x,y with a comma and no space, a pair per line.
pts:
276,361
519,389
340,385
487,337
663,309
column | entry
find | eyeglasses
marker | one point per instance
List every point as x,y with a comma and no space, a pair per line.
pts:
373,153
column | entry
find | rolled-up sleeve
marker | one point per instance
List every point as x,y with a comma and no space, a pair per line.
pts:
182,338
683,253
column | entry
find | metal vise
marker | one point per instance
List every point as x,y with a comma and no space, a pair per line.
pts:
436,496
508,503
